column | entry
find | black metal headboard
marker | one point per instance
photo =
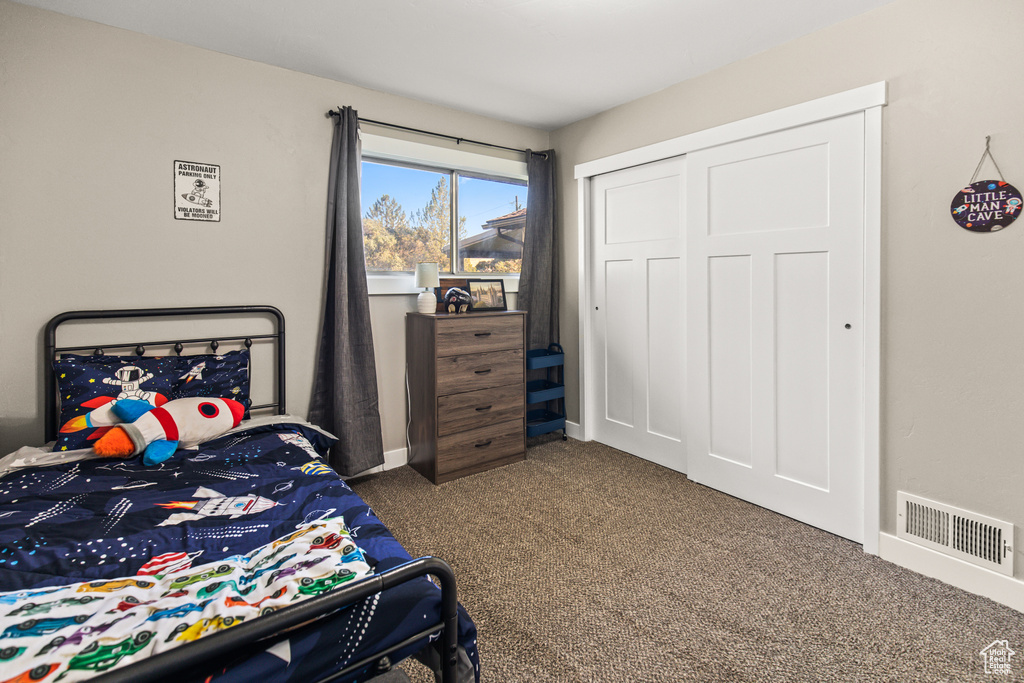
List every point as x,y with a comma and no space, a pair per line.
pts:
139,348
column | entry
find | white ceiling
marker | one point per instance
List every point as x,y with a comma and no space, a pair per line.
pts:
542,63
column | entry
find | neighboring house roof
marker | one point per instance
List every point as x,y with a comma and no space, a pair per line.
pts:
501,238
515,215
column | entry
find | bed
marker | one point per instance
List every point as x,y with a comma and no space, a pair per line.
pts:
245,559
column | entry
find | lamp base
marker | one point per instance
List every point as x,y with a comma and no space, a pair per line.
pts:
426,303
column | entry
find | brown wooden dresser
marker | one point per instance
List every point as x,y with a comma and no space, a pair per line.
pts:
467,392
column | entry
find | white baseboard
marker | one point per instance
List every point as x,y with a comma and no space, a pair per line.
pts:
392,459
395,458
971,578
573,430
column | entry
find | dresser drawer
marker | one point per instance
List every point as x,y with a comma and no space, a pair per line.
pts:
459,374
459,412
466,335
476,448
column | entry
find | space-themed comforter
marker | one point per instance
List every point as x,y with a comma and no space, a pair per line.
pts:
220,509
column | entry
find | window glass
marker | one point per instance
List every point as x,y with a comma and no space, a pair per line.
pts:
492,218
406,216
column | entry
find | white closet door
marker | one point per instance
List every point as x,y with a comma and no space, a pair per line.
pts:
775,304
637,311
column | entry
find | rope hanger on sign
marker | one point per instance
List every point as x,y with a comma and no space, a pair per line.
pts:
987,153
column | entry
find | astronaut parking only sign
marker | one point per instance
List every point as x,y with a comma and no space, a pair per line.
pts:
196,191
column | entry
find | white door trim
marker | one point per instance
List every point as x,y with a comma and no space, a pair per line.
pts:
872,327
840,104
583,303
869,99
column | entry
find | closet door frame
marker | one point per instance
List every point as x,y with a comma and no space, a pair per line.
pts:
868,99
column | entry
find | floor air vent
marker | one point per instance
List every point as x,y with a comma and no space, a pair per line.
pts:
968,536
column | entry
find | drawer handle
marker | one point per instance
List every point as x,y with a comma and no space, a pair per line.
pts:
482,334
482,409
482,372
486,443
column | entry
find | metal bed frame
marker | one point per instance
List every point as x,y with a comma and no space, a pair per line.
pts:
252,637
51,349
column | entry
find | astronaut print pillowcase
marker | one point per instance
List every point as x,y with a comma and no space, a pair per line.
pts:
90,385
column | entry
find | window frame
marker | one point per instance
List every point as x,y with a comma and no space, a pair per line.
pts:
401,152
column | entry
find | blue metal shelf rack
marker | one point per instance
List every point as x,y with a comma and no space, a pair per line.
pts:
549,393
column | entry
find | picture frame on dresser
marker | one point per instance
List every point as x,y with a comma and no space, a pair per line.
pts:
487,295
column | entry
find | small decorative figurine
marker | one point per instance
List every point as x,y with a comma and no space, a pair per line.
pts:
456,300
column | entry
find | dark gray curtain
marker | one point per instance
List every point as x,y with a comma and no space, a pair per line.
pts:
538,283
345,387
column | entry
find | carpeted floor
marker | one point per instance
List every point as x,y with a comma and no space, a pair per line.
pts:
586,564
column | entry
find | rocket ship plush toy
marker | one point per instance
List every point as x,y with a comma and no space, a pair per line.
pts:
182,423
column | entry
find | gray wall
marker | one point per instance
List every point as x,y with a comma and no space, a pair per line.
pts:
91,120
952,368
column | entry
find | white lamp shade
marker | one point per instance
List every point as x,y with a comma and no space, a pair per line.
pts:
427,275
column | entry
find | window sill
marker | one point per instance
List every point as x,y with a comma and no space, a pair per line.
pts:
391,284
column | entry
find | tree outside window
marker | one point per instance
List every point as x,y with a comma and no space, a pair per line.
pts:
407,218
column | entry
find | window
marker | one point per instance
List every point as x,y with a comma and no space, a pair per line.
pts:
408,206
396,236
492,220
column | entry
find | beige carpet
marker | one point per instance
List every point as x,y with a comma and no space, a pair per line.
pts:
586,564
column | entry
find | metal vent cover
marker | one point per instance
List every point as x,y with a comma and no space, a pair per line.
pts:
968,536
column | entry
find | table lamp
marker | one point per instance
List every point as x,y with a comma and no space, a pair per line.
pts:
427,276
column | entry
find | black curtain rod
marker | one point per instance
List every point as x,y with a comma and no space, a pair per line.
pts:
457,140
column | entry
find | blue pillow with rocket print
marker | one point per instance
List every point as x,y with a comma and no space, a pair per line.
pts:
90,385
222,376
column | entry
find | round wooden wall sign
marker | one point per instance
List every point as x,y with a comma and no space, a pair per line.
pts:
986,206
